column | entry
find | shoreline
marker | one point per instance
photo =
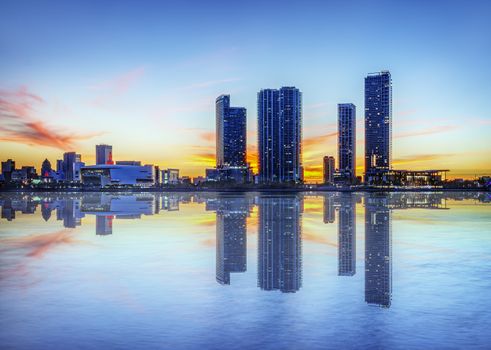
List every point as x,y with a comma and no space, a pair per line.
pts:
244,190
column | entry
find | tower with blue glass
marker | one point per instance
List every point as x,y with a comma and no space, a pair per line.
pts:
231,134
280,135
378,122
347,140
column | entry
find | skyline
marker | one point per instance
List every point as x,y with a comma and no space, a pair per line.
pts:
149,88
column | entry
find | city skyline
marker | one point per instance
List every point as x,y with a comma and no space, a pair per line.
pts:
148,96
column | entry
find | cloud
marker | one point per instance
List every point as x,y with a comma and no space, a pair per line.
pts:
208,136
429,131
205,84
418,158
318,140
116,86
36,246
18,124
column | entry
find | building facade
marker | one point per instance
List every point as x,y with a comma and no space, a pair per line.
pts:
280,244
118,175
7,168
70,160
347,140
328,169
378,122
170,176
103,154
280,135
231,134
378,251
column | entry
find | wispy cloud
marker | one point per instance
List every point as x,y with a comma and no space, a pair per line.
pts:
209,83
36,246
17,110
318,140
429,131
419,158
117,86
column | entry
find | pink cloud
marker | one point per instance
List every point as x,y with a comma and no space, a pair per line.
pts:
17,109
116,86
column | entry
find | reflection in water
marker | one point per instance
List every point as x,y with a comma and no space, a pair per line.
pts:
347,235
279,251
378,252
279,244
231,235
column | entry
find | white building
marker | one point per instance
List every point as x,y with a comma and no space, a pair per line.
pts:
118,175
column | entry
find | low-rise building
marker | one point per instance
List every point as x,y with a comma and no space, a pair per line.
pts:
170,176
106,175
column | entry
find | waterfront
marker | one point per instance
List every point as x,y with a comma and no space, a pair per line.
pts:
251,270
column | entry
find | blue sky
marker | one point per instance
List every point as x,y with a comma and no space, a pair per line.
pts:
143,75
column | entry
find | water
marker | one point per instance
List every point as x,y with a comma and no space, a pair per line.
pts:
225,271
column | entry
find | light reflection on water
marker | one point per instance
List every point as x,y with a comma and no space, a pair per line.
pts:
207,270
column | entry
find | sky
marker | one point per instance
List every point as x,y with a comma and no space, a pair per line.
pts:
143,76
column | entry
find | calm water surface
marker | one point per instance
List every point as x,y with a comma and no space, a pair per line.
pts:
225,271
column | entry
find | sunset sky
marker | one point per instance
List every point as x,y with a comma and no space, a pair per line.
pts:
143,76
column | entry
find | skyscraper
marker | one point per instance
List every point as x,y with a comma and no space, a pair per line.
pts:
231,237
104,154
280,134
280,244
347,235
46,168
231,134
347,140
268,135
329,169
7,168
70,160
378,121
378,251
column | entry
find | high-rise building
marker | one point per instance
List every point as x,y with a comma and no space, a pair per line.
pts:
378,121
46,168
7,168
378,251
231,134
280,134
329,169
347,235
280,244
231,237
347,140
104,225
59,165
103,154
70,167
329,215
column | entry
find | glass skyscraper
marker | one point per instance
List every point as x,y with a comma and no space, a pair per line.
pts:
231,237
378,251
378,121
280,243
280,134
347,139
231,134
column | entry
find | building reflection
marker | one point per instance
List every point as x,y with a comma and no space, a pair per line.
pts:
279,253
280,243
329,209
231,234
378,251
347,235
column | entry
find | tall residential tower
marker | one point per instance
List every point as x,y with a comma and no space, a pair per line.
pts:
347,140
231,134
378,122
280,134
